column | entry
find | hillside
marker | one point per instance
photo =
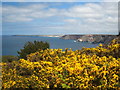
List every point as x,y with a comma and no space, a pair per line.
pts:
91,38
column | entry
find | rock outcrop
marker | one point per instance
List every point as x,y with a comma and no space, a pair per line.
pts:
91,38
73,37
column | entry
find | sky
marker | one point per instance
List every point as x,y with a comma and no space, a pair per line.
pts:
56,18
60,0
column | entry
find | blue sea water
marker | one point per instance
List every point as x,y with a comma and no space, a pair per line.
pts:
12,44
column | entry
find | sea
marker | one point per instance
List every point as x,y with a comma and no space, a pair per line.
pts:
12,44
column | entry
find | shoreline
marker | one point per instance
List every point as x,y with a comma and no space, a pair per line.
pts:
41,35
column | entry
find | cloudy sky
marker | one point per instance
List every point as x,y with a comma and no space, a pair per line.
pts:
48,18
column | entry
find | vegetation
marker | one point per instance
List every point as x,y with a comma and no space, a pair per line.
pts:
89,68
8,58
31,47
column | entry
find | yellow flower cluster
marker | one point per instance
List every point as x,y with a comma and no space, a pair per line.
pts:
89,68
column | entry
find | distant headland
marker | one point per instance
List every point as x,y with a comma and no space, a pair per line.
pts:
41,35
92,38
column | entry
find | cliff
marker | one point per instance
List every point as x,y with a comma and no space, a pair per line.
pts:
91,38
73,37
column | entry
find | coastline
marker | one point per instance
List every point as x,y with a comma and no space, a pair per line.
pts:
41,35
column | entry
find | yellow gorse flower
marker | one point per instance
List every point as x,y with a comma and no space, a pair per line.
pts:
89,68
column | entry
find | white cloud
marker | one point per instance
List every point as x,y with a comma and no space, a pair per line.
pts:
110,1
60,1
28,13
92,17
14,18
71,21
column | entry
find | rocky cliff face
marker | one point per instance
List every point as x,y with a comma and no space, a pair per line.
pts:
91,38
73,37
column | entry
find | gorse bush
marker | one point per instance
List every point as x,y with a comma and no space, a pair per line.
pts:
54,68
8,58
31,47
111,50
